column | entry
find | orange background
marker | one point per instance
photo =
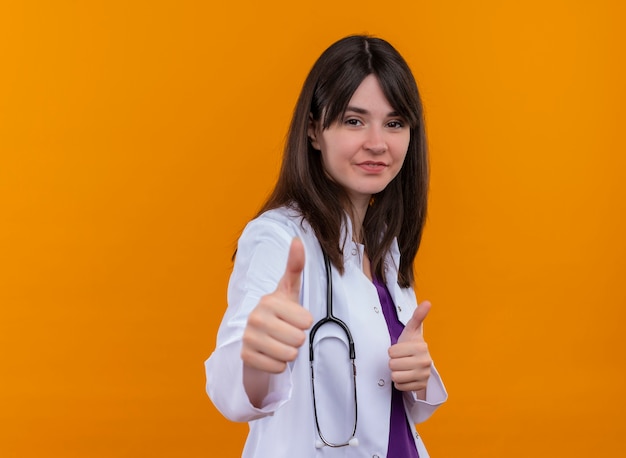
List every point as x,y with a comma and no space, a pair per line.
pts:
137,138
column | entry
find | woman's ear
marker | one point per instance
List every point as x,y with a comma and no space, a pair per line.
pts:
312,132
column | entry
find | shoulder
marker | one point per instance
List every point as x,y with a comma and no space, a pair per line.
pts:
282,216
263,248
280,224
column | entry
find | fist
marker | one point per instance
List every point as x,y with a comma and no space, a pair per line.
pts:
409,359
276,326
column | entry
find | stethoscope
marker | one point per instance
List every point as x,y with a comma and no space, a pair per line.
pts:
330,318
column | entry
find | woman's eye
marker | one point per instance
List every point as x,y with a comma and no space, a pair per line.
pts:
395,124
352,122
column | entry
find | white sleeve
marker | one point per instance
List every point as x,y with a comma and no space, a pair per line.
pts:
260,263
436,394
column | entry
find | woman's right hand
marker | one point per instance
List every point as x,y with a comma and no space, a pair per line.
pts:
276,326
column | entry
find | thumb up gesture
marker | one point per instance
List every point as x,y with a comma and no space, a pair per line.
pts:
409,359
275,328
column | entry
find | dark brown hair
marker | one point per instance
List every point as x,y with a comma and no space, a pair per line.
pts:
400,209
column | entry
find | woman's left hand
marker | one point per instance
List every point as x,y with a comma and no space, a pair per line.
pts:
410,360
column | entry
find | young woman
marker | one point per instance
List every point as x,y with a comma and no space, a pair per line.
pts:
321,348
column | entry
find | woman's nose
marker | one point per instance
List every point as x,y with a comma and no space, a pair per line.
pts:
375,141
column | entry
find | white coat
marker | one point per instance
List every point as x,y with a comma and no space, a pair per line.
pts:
285,425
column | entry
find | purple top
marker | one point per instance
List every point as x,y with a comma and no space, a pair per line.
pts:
401,443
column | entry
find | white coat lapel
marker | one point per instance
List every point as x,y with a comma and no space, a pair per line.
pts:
403,298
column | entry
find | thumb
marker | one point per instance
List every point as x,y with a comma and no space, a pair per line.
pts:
413,328
290,282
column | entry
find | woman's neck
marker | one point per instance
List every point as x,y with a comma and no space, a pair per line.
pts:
357,214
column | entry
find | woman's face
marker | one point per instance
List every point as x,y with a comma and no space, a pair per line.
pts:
364,150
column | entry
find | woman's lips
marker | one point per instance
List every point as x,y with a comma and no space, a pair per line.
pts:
372,166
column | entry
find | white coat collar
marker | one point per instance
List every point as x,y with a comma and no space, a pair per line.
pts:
403,298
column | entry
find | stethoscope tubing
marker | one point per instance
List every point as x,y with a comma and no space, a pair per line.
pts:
331,318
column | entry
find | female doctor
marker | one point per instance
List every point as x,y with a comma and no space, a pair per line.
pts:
321,347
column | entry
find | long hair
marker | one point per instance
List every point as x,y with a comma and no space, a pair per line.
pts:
400,209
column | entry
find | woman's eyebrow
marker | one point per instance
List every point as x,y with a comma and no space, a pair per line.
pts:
363,111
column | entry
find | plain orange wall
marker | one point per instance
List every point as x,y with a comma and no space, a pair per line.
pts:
136,139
